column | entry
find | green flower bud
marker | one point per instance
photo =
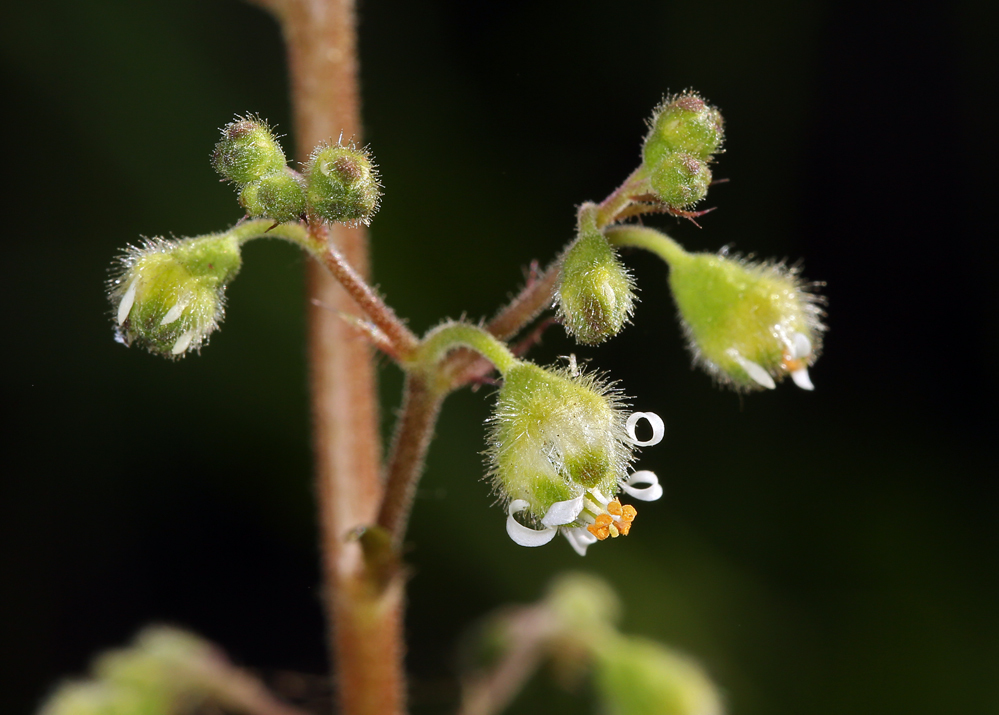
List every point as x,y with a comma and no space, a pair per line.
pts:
169,295
683,124
747,323
247,151
595,294
279,196
342,185
635,676
560,448
680,180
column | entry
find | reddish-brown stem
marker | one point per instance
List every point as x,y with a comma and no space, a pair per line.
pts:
401,338
414,430
365,619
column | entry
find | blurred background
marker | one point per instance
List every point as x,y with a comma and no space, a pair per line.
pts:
819,553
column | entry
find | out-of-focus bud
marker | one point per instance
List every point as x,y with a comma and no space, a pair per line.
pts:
248,151
560,447
169,295
680,180
635,676
595,294
684,124
342,185
748,324
279,196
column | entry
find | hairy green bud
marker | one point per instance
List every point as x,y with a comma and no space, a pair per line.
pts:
279,196
635,676
342,185
683,124
169,295
680,180
560,447
595,294
748,324
248,151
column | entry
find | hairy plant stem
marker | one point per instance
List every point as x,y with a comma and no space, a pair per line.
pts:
365,617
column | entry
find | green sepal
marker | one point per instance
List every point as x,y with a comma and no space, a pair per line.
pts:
279,196
680,180
554,432
595,294
169,296
342,185
248,151
683,124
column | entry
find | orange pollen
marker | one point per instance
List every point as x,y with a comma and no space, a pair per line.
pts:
791,364
600,528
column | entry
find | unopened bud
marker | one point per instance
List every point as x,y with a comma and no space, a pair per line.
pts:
749,324
170,295
595,292
248,151
635,676
680,180
279,196
683,124
342,185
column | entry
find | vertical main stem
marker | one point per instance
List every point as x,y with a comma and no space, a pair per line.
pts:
365,620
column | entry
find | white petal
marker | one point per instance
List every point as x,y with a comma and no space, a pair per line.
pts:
563,512
649,493
182,342
175,312
756,372
801,379
523,535
658,428
802,347
125,306
579,538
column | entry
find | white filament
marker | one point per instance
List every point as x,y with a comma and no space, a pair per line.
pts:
801,378
658,428
125,307
182,342
801,347
175,312
523,535
756,372
651,492
579,538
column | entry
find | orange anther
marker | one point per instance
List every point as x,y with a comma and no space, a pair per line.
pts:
624,527
614,507
600,528
628,513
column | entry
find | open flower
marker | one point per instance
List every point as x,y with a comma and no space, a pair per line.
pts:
748,324
560,453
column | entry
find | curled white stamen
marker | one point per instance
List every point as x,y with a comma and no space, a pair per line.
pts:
175,312
182,342
563,512
755,372
801,346
649,493
523,535
658,428
125,307
579,538
801,379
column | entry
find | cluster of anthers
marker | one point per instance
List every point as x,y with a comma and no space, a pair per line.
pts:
592,516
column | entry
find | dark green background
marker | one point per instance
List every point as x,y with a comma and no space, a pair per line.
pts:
821,553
